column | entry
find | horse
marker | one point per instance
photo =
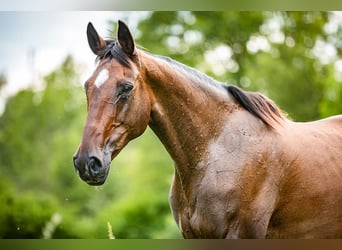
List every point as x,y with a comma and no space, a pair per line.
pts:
243,169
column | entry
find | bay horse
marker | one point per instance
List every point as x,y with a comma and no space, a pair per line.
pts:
242,168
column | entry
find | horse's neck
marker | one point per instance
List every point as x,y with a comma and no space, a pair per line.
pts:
187,112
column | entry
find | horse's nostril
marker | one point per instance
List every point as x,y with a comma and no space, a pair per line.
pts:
94,166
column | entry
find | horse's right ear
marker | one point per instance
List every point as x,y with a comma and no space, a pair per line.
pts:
96,43
125,39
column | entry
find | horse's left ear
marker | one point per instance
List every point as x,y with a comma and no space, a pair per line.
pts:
96,43
125,39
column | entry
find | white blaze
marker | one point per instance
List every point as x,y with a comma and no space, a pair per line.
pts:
101,78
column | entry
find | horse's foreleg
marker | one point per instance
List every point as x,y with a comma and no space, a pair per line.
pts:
247,228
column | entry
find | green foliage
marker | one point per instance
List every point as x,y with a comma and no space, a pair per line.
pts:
331,103
40,131
23,214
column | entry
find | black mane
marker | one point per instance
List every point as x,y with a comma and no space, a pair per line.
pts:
114,50
258,105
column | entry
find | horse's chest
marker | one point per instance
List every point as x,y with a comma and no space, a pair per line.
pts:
203,207
201,216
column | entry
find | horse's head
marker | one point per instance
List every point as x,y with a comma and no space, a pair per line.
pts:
118,105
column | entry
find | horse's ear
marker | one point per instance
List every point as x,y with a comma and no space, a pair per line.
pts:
96,43
125,39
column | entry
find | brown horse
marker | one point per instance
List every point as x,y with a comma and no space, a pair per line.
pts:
242,169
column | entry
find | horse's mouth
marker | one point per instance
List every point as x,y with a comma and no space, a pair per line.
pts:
92,178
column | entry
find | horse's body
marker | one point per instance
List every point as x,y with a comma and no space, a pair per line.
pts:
254,183
242,170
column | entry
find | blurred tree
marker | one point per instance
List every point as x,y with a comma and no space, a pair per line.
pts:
3,80
30,127
23,215
331,103
30,123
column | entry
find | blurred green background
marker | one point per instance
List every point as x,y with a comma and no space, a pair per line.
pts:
292,57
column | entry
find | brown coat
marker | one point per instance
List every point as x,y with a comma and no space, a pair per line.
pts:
242,169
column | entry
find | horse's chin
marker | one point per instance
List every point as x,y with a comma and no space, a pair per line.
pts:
96,182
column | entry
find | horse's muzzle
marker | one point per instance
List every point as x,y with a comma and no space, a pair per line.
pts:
90,169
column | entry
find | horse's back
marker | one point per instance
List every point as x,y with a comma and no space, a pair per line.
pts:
310,203
318,143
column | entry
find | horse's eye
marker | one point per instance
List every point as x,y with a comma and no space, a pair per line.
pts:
124,89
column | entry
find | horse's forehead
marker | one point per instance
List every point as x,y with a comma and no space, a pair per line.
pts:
107,70
101,77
